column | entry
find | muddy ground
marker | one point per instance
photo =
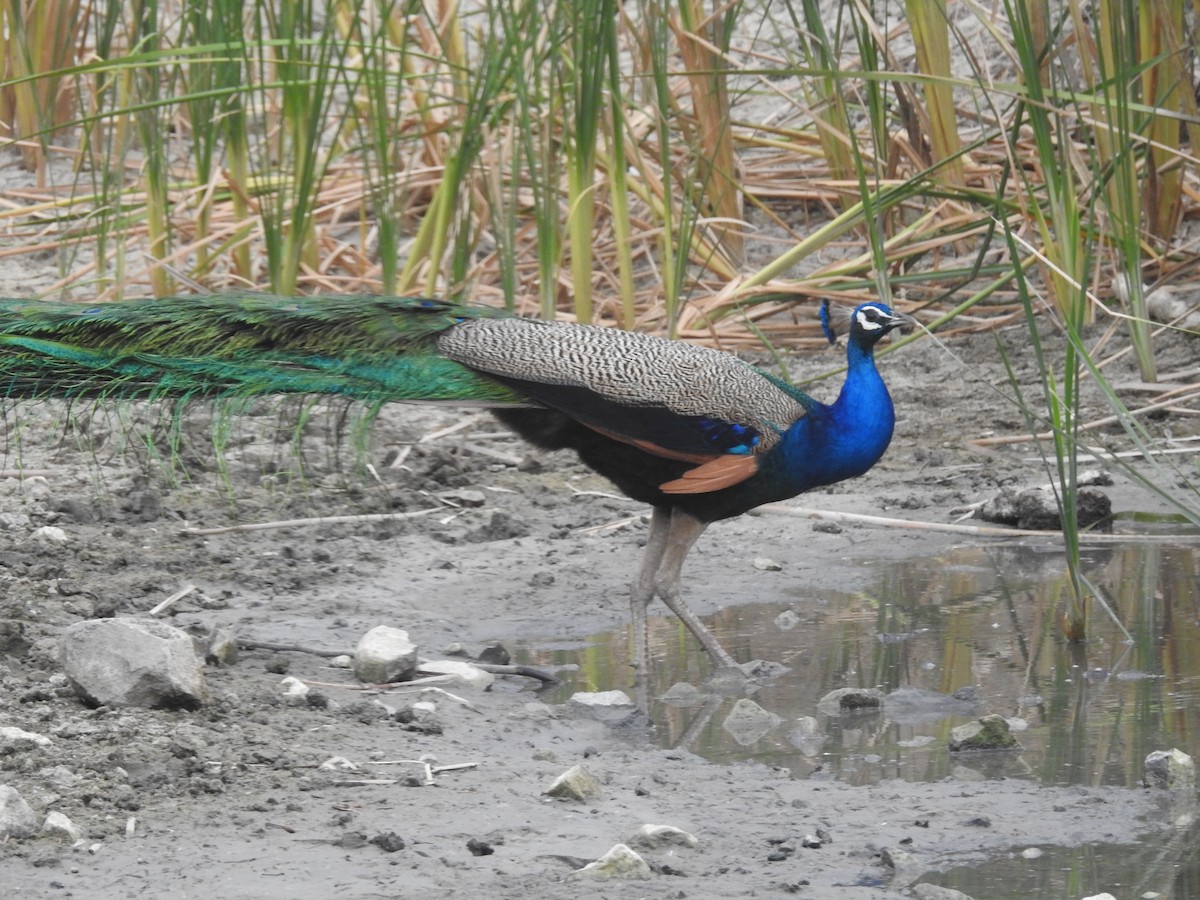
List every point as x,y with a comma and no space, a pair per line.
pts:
231,801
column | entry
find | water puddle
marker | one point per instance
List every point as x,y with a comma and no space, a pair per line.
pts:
982,621
1163,868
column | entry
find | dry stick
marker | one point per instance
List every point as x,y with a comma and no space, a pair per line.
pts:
979,530
316,520
1089,426
393,688
1126,454
30,473
291,648
525,671
172,600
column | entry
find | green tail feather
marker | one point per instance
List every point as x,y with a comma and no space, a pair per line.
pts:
374,349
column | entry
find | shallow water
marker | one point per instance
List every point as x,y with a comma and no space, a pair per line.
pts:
1164,867
981,618
984,618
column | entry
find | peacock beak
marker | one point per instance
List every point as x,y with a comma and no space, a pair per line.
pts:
900,320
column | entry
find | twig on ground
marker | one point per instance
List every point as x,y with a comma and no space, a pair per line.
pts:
172,600
1087,426
246,644
315,520
525,671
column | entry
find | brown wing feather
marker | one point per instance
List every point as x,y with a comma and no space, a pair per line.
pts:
714,475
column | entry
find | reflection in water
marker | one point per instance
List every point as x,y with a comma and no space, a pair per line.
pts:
1167,867
984,619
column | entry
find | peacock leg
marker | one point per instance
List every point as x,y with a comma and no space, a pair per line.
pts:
643,588
682,533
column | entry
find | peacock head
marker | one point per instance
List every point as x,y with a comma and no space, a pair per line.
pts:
865,323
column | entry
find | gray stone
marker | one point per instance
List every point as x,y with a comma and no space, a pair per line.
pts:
222,647
57,825
383,655
294,690
132,662
987,733
806,736
1037,508
1171,769
762,669
17,740
50,536
656,837
748,722
850,700
618,863
16,818
576,783
461,672
787,620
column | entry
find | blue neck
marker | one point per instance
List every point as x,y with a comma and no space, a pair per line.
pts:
861,419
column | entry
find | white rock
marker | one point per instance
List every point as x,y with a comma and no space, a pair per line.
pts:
59,826
16,818
763,564
462,672
655,837
344,661
1104,896
18,740
383,655
50,536
618,863
747,722
10,521
807,736
787,620
132,662
601,698
294,688
574,784
1172,769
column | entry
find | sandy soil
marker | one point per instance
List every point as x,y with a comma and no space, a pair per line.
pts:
231,801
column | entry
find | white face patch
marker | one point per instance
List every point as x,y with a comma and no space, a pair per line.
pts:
866,323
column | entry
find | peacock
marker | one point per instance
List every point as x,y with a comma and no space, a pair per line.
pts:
696,433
